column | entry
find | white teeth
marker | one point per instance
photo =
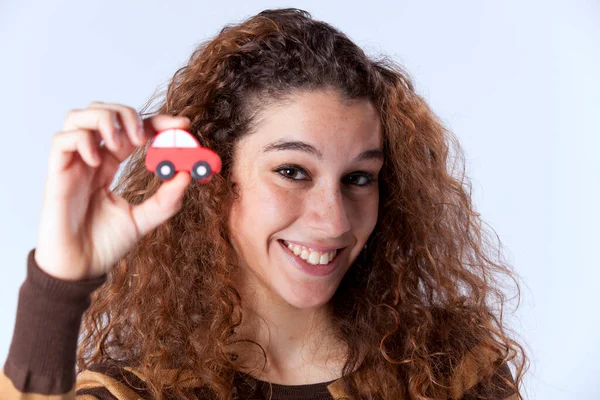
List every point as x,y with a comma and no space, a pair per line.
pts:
312,257
295,249
324,258
305,254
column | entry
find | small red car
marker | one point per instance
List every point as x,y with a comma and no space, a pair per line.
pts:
175,150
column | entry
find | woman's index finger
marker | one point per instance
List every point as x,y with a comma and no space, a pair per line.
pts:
157,123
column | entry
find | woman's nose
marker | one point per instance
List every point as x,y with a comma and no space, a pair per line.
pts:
327,212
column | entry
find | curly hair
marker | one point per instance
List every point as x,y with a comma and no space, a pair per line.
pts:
427,290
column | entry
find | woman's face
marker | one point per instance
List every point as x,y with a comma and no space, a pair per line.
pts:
307,184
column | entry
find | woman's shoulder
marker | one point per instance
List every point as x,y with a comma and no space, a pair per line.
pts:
109,381
114,381
119,382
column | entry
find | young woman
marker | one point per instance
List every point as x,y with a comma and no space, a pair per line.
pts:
334,256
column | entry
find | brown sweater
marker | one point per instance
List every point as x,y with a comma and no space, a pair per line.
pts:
41,359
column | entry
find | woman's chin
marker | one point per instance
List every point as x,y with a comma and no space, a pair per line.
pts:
303,296
307,304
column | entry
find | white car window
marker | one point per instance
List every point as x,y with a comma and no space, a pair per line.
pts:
183,139
165,139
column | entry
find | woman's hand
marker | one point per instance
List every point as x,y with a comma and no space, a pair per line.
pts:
84,227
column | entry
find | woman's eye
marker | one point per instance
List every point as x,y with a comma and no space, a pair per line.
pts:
292,172
360,179
297,173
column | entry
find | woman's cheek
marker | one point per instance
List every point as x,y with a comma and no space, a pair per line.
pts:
281,202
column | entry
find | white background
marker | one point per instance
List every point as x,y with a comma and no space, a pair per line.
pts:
517,81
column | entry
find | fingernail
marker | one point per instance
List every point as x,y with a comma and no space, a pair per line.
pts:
141,132
119,136
96,155
115,121
118,128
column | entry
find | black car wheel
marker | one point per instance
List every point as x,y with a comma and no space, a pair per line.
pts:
200,170
165,170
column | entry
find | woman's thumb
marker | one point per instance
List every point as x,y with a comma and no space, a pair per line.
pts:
162,205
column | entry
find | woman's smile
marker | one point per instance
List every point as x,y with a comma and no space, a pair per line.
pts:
309,261
313,254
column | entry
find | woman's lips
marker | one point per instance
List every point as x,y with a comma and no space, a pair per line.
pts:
318,248
311,269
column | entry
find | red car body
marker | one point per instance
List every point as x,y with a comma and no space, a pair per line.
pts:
174,150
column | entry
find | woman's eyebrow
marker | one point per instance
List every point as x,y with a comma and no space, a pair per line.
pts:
373,154
284,144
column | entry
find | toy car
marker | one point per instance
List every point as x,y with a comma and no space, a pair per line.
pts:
175,150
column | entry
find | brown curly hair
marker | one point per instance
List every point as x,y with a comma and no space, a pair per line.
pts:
426,291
